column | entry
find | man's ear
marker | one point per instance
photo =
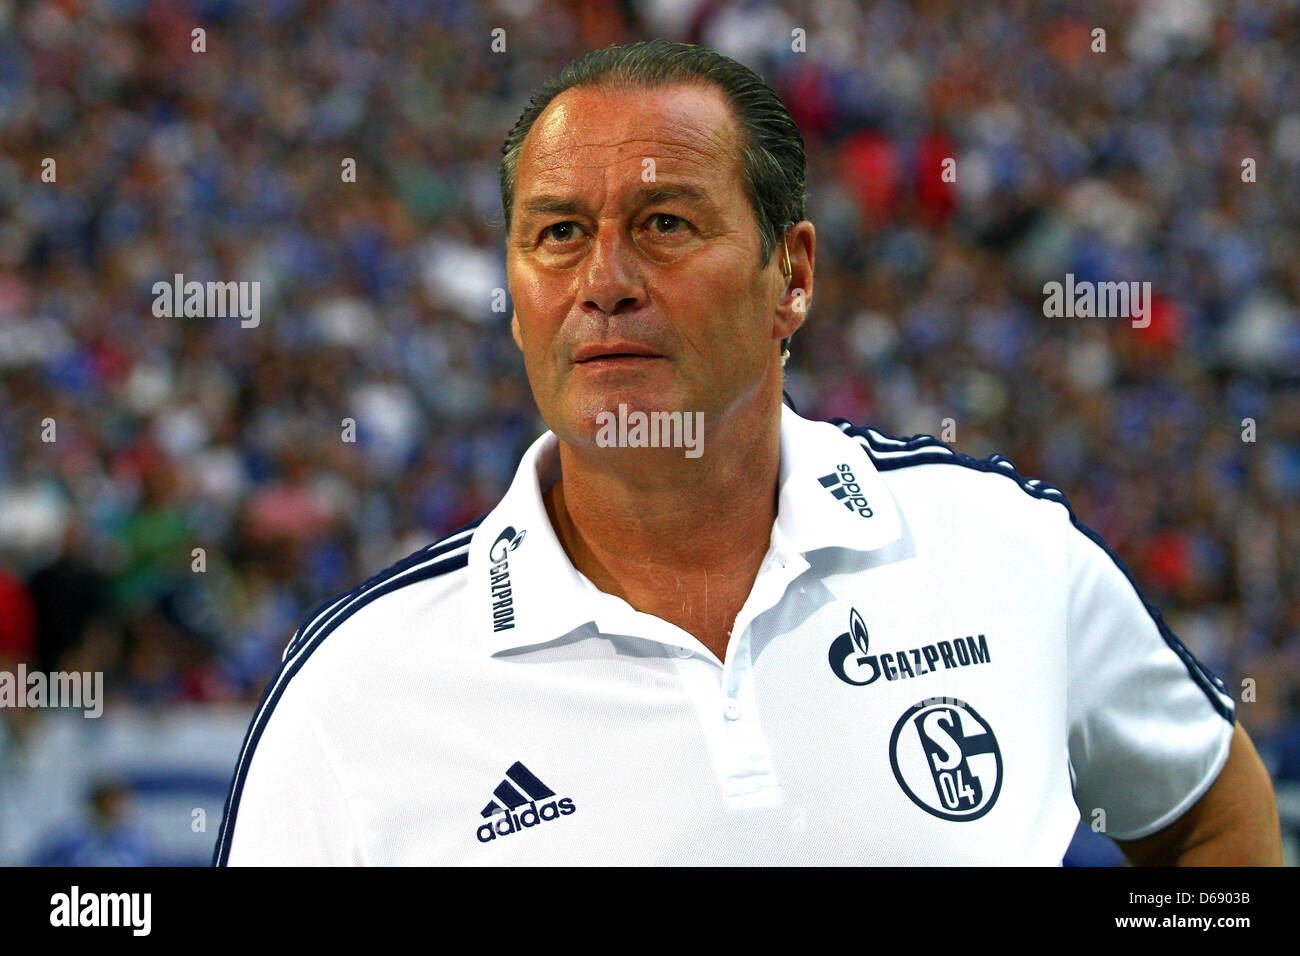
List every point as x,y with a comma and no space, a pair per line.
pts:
795,255
514,330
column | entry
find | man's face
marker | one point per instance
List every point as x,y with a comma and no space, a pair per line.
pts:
633,260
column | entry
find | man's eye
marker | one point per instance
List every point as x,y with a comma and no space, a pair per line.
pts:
666,223
560,231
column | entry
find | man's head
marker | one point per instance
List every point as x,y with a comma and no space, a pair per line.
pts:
650,193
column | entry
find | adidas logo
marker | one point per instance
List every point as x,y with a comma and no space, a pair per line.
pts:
845,488
520,778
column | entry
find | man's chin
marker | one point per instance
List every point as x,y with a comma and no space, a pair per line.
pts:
589,411
621,423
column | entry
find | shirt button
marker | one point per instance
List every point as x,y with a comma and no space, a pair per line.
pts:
732,709
683,651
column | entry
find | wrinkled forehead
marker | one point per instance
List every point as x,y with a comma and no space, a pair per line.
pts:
624,137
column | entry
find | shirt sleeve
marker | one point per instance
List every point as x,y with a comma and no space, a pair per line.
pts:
1149,725
292,808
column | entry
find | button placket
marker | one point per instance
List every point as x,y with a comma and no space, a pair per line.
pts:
747,762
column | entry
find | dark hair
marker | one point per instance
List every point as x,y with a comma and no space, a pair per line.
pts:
772,151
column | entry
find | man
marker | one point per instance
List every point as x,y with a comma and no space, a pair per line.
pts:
806,643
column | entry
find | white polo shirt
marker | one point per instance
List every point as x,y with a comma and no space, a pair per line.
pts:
938,664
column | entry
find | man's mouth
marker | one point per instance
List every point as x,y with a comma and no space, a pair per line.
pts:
617,353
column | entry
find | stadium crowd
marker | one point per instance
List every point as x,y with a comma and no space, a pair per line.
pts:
175,493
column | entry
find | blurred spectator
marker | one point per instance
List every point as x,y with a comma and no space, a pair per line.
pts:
68,594
17,620
106,839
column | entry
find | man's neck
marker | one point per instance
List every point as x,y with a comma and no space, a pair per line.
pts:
678,538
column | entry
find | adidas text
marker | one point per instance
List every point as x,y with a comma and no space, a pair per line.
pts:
845,488
530,816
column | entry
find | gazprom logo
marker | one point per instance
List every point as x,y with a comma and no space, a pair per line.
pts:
503,605
853,644
851,663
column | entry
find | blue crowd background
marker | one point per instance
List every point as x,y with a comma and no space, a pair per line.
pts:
1173,156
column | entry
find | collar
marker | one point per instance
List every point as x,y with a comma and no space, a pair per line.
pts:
527,591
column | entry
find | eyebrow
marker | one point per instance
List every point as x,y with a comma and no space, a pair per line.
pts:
645,196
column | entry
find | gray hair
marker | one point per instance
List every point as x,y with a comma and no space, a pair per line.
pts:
772,151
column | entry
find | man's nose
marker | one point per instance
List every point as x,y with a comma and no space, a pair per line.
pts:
611,276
